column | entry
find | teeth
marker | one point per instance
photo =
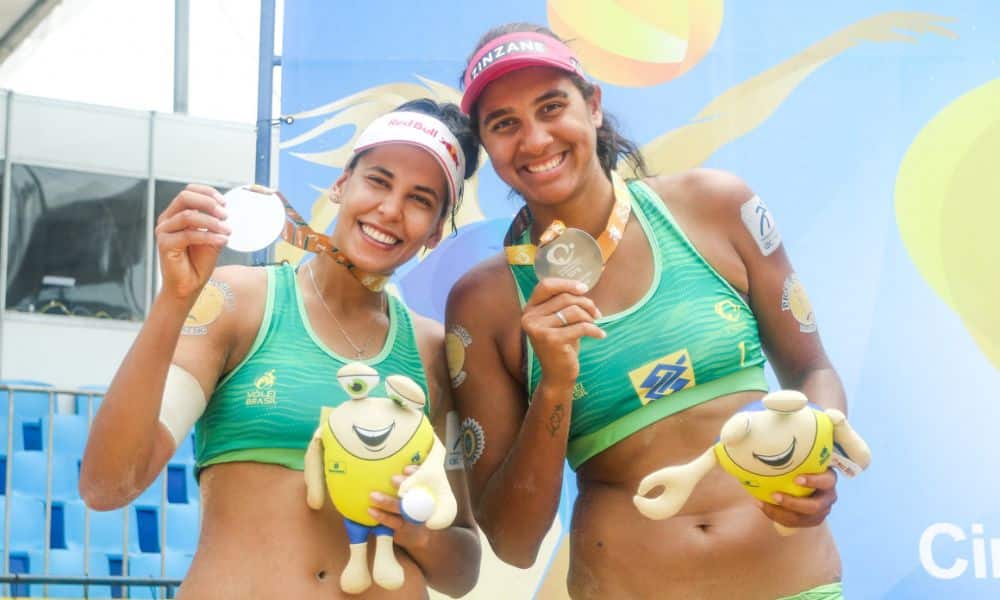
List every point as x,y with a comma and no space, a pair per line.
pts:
547,165
385,238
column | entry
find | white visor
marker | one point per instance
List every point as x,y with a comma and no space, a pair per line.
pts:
424,131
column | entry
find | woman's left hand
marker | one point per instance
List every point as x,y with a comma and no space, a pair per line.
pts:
385,509
807,511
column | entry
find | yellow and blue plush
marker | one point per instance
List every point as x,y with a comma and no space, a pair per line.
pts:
357,449
765,450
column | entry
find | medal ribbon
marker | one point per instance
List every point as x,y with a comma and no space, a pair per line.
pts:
524,254
299,234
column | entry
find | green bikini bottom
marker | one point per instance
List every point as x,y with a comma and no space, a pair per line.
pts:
829,591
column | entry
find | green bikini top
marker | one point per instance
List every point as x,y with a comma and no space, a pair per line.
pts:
691,338
267,408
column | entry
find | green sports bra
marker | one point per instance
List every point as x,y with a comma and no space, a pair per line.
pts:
691,338
267,408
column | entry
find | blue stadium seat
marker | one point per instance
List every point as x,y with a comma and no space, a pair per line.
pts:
17,430
148,565
103,564
29,562
26,404
27,522
69,434
97,395
30,469
181,485
67,563
148,525
183,523
32,436
105,529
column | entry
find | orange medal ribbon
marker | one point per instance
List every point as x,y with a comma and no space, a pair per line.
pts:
299,234
524,254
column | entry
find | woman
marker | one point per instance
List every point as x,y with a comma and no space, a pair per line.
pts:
638,372
265,351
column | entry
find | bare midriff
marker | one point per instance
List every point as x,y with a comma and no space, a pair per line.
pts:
260,540
720,545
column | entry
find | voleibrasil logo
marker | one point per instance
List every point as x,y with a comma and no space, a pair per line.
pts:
948,551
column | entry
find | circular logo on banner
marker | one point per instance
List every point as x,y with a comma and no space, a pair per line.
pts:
637,42
947,210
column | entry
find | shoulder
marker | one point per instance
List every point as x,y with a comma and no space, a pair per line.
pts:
242,280
487,288
244,295
707,190
428,332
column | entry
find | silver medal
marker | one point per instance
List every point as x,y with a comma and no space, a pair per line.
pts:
573,255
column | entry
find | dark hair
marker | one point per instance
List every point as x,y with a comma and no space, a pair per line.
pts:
611,145
456,121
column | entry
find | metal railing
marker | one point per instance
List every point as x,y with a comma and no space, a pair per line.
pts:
125,580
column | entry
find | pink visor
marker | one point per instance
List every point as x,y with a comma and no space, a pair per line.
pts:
512,52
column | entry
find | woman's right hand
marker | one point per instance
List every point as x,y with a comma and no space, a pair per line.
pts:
555,318
190,234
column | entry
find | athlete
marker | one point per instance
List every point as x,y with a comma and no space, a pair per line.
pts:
251,354
628,362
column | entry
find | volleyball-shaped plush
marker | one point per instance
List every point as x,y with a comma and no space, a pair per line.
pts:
636,42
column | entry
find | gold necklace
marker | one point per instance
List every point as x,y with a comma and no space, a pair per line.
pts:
359,351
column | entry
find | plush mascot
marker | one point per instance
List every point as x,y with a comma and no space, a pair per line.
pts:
765,450
357,449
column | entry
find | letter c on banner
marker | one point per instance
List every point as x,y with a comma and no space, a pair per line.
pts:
927,555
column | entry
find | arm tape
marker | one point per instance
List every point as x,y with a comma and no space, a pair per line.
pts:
183,402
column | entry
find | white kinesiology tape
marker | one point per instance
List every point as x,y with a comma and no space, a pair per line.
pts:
183,402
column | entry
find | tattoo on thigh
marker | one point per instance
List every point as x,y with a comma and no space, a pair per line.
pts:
215,297
455,343
556,419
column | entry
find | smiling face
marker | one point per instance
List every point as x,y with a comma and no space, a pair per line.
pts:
392,204
775,443
541,133
373,428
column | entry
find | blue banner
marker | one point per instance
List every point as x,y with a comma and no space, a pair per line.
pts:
872,131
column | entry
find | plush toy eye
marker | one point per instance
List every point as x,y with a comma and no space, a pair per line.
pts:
357,379
405,392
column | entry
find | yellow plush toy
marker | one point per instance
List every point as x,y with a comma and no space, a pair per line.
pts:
765,450
357,449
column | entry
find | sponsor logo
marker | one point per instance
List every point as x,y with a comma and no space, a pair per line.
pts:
795,300
663,376
946,551
579,391
414,124
502,50
263,392
758,221
728,310
452,152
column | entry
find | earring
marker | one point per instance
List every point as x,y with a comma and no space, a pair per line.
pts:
334,195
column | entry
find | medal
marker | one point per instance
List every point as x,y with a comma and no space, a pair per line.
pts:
574,254
567,252
255,215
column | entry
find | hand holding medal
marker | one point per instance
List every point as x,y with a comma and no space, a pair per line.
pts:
259,215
